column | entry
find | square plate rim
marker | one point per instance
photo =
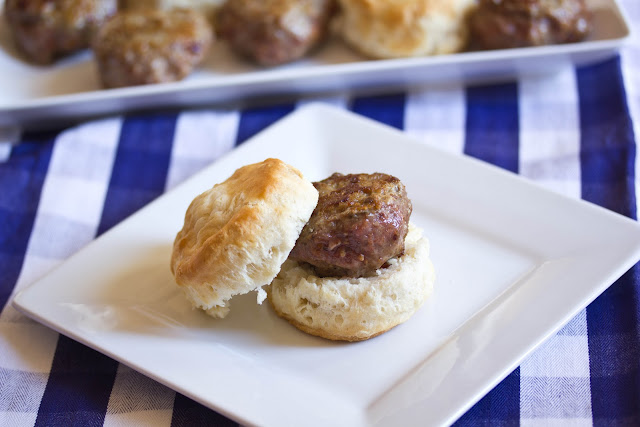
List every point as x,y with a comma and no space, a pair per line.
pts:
324,112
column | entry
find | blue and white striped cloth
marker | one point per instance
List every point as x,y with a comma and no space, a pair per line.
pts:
574,132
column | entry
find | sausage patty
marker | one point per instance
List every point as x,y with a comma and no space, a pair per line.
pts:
273,32
360,222
45,30
151,46
499,24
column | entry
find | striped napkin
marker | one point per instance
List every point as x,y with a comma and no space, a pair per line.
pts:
573,132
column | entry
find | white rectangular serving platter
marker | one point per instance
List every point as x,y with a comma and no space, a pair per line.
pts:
70,90
504,249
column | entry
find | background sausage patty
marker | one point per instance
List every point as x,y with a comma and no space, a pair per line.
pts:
45,30
151,46
498,24
360,222
273,32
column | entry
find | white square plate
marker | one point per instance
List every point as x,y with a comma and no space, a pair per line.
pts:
70,89
504,250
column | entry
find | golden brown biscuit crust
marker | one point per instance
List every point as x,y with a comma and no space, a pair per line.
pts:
404,28
237,235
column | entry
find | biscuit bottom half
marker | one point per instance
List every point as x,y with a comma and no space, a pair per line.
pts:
355,309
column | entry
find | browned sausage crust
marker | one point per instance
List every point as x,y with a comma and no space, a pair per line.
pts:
360,222
499,24
151,46
45,30
273,32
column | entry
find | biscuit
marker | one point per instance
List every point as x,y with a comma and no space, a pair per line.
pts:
404,28
237,234
355,309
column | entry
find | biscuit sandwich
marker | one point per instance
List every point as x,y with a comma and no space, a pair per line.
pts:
404,28
339,256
